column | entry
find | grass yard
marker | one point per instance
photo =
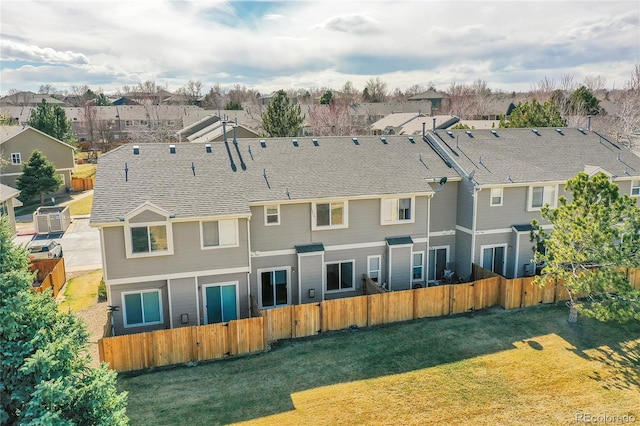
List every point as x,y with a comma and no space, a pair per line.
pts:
500,367
81,206
81,292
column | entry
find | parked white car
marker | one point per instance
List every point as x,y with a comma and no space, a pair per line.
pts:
44,250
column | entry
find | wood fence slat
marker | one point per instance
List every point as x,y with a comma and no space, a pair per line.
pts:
306,320
399,306
339,314
245,336
212,341
279,323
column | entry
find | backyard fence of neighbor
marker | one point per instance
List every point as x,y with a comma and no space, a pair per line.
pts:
51,274
214,341
82,184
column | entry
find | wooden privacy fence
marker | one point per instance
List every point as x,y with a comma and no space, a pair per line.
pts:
81,184
214,341
51,274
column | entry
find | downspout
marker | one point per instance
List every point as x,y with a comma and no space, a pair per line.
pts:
517,255
249,259
474,224
426,250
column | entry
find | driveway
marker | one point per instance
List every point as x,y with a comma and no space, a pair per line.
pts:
81,245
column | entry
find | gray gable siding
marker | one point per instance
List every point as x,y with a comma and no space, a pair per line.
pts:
147,216
464,211
294,228
311,273
462,252
187,257
443,208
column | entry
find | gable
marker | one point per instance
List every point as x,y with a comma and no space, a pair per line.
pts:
147,216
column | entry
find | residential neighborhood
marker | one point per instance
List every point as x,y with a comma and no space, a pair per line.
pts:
344,213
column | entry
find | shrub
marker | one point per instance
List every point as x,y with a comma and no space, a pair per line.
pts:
102,291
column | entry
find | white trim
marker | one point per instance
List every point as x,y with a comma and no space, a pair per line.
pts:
491,196
379,270
438,234
18,157
517,255
203,288
219,246
355,246
259,273
105,272
147,278
285,252
493,246
266,207
353,276
552,204
128,243
143,324
169,302
389,268
195,280
396,207
421,279
299,281
463,229
494,231
345,215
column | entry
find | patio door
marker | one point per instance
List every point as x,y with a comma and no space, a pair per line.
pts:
494,258
221,303
438,259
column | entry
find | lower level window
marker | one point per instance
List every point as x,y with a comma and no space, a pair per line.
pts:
274,288
340,276
142,308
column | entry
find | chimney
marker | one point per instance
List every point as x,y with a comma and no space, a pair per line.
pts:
434,124
589,122
224,130
424,125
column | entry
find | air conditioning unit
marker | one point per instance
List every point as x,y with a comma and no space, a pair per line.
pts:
529,269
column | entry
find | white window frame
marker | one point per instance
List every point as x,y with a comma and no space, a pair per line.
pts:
379,270
421,279
635,188
314,215
266,214
259,273
129,243
493,246
205,317
546,188
234,243
16,158
433,249
143,323
392,205
495,193
353,275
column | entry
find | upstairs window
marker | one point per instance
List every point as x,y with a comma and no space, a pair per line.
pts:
397,210
219,233
635,188
329,215
16,158
272,215
541,195
149,239
496,197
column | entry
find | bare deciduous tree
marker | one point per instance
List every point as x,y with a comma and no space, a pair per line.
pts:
594,83
377,90
331,120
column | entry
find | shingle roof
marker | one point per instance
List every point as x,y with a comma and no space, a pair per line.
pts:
515,156
7,192
398,241
310,248
336,168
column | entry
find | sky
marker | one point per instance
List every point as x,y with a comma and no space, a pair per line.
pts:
271,45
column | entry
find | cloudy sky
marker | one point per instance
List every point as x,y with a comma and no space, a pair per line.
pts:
304,44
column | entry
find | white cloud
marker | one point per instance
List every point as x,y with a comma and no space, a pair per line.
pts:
352,23
272,17
16,51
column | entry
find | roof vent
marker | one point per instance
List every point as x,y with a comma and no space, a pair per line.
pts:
411,139
172,149
494,133
263,143
207,148
450,133
581,130
295,142
315,142
383,139
136,150
468,132
355,140
535,131
560,131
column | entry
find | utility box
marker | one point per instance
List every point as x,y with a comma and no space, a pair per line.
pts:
51,219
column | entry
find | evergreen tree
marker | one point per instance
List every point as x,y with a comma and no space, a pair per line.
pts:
45,378
582,102
534,114
282,118
593,237
326,98
52,120
38,176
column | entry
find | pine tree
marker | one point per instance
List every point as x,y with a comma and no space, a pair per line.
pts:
45,377
282,118
52,120
534,114
595,237
38,176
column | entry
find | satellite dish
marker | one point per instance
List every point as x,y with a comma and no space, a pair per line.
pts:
442,182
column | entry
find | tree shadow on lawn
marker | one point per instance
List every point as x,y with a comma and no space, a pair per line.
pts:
259,385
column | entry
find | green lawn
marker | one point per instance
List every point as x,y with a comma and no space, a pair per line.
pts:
81,206
81,292
499,367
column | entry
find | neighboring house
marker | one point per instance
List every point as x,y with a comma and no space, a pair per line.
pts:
212,129
509,175
411,124
440,102
28,99
191,232
366,113
18,142
8,201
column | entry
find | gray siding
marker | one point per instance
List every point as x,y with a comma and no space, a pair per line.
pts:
443,207
184,300
359,256
147,216
187,256
491,239
464,214
463,254
364,226
115,299
311,269
524,252
400,268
